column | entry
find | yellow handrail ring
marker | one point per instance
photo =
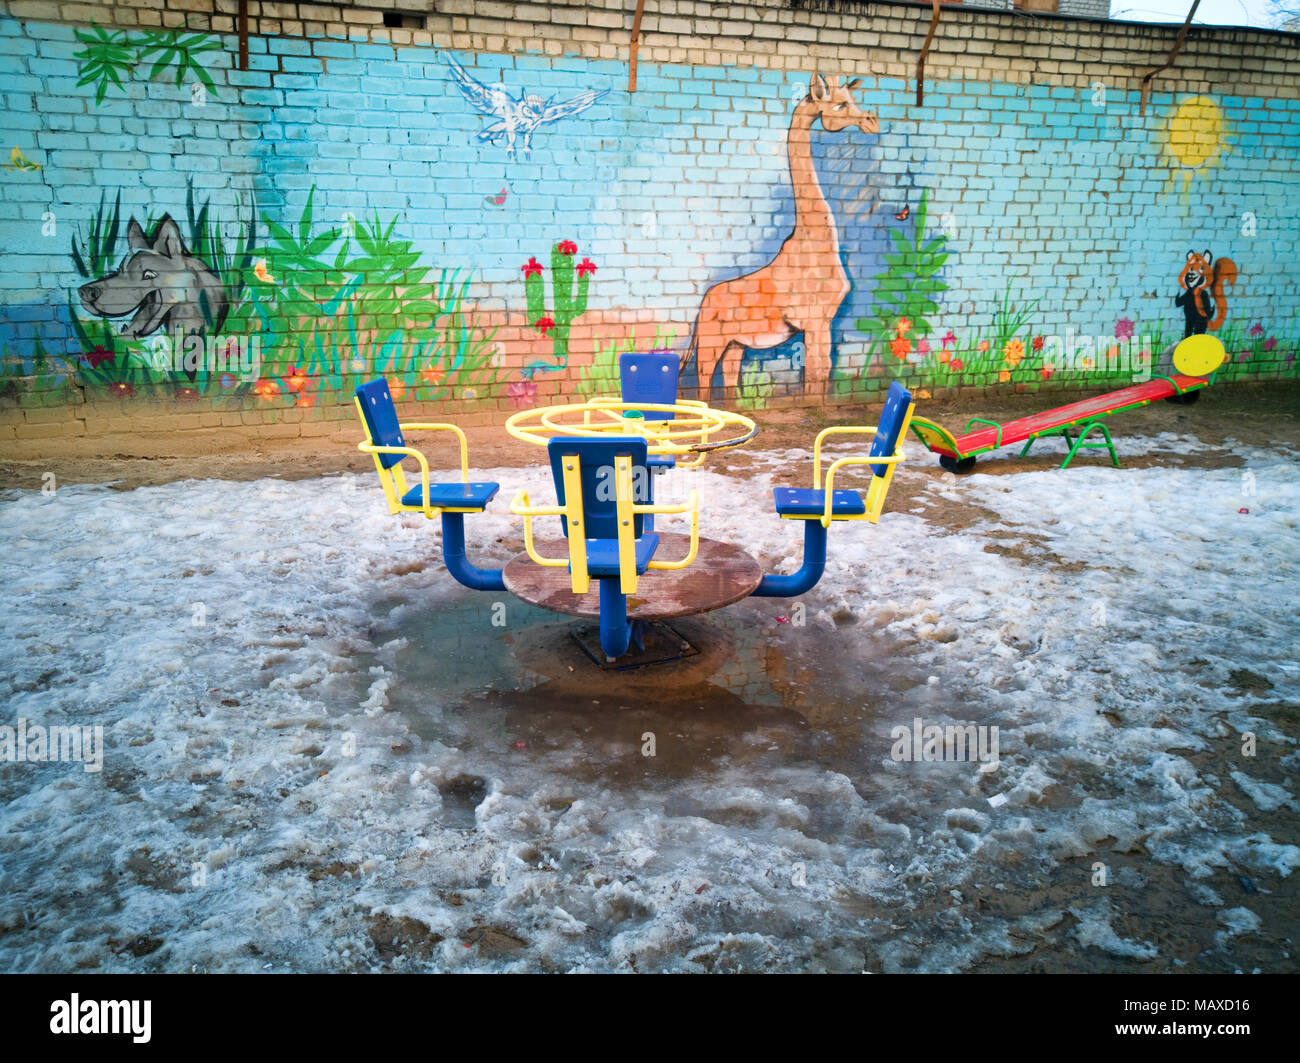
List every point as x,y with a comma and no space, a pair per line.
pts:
691,431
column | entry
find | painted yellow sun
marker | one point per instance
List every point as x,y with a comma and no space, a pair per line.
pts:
1196,140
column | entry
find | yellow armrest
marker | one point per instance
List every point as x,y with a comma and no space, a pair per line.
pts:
519,505
396,472
691,505
833,431
841,463
464,443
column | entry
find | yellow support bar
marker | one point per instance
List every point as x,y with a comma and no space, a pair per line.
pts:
624,511
574,524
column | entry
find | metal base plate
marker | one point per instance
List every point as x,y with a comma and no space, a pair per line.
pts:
662,644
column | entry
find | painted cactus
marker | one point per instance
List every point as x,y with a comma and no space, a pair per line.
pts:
569,284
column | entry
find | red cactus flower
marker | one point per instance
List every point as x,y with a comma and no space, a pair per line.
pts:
567,247
586,266
1038,343
99,356
120,389
544,325
532,266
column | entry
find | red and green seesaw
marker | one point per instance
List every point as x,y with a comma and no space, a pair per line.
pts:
1196,359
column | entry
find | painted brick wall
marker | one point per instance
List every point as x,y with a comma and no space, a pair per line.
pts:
366,224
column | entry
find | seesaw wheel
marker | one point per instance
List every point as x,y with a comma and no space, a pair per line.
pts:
958,465
1185,399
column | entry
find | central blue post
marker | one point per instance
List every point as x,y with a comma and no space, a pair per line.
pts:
453,555
615,631
814,564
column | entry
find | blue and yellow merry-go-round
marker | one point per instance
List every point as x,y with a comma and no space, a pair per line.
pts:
599,555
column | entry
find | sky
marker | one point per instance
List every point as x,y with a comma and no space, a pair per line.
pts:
1256,13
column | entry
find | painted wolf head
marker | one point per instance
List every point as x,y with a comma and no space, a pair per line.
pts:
161,284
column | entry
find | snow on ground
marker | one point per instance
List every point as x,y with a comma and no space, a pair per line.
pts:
321,753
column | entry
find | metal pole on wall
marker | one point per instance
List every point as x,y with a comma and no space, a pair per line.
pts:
1178,47
243,34
925,50
636,36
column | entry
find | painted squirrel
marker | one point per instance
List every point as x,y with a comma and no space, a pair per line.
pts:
1202,299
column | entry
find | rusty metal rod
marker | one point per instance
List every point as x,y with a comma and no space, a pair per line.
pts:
1178,47
925,50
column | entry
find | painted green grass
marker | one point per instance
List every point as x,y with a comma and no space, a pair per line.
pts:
602,376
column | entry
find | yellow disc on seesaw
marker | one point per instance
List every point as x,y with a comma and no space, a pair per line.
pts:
1199,355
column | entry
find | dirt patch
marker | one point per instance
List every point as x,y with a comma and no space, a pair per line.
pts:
1250,414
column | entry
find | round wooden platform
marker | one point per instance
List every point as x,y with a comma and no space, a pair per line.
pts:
720,575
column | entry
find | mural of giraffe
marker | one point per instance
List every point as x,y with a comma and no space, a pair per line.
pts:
802,288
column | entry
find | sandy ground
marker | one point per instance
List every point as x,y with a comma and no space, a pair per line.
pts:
1252,414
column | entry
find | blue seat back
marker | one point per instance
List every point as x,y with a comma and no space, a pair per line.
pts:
891,425
650,377
596,466
381,419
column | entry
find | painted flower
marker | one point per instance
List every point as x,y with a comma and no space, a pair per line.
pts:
357,365
956,365
1037,344
1270,343
304,400
1004,376
1047,372
950,338
266,389
984,346
469,393
120,389
532,266
1124,328
945,356
1256,329
586,266
433,375
297,380
99,356
903,327
1014,352
227,381
900,348
396,388
522,392
187,394
567,247
262,273
544,325
1086,363
922,346
1112,352
1243,356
